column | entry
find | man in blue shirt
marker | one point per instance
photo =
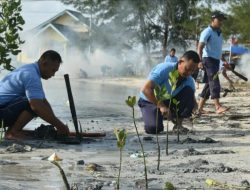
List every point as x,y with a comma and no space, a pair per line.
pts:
171,57
22,97
184,91
210,51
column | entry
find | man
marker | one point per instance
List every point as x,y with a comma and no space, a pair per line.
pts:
171,57
22,97
210,51
184,92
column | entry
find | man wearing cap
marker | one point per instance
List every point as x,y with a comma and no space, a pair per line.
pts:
210,51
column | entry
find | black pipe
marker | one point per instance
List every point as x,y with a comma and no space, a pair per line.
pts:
72,105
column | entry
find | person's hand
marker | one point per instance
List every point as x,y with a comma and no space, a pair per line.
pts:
63,130
200,65
164,110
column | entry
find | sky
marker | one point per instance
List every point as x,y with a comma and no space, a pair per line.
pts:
35,12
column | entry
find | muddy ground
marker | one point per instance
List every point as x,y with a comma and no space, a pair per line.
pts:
217,147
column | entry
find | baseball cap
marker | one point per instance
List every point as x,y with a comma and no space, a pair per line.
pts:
219,15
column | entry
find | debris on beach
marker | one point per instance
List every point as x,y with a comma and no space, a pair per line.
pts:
92,167
54,157
4,162
15,148
206,140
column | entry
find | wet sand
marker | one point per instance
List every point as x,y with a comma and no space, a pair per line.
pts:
189,164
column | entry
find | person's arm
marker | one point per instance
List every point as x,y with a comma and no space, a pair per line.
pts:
43,109
201,45
148,91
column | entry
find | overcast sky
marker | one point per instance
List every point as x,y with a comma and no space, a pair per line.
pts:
37,11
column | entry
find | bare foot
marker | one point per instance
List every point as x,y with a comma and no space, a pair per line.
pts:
15,136
221,110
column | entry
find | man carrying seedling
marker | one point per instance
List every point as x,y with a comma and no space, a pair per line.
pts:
184,92
210,52
22,97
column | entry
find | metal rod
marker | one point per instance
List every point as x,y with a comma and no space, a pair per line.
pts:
72,105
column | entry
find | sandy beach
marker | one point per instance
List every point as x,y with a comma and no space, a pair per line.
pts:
216,148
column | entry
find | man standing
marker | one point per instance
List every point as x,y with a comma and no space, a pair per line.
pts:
171,57
22,97
210,51
184,92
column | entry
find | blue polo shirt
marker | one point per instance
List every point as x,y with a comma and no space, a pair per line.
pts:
160,75
169,58
23,82
213,42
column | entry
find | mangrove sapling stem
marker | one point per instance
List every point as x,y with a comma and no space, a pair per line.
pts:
120,168
144,160
62,174
157,140
2,129
168,115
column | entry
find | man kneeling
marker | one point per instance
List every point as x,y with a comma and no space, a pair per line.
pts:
22,96
184,92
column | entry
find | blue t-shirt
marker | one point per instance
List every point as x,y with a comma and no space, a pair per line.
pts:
23,82
169,58
160,75
213,43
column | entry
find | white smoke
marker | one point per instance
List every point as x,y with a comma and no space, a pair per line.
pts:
245,65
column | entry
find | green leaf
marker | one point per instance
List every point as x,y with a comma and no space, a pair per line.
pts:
131,101
121,136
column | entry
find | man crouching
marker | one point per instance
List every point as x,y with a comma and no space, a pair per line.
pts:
22,97
184,92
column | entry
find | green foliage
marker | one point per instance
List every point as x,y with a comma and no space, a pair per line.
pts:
173,79
11,23
169,186
121,136
240,19
161,93
131,101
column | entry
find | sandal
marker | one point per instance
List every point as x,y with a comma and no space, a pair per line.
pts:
221,110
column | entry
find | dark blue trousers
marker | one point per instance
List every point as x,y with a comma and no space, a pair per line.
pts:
148,110
10,112
212,82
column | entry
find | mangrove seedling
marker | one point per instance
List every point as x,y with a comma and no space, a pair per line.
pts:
121,140
54,160
176,103
160,95
131,101
173,79
169,186
2,130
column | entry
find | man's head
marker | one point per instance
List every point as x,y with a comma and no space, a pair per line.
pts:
188,63
49,63
217,19
172,52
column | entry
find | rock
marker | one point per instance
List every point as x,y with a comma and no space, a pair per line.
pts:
92,167
191,152
95,186
80,162
107,183
3,162
245,183
18,148
147,138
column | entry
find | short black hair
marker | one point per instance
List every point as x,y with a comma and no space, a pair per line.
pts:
191,55
173,50
51,55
